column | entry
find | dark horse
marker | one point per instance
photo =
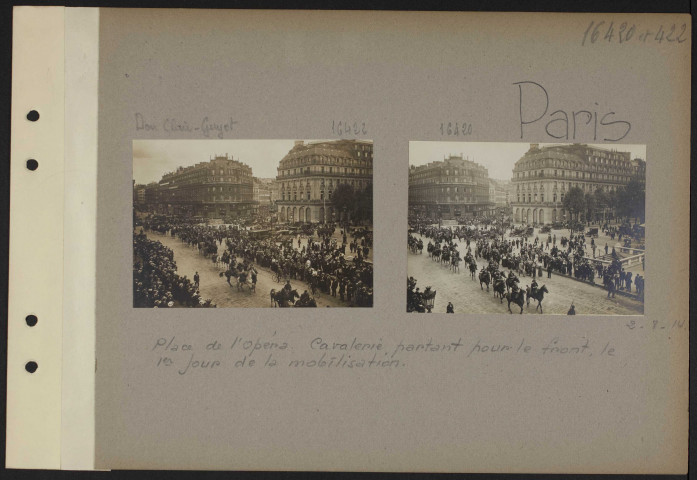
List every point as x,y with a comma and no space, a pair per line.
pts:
499,288
281,297
484,277
517,298
538,295
473,268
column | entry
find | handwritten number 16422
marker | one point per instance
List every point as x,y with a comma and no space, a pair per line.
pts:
347,128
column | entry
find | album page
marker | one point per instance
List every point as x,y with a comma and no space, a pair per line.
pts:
366,241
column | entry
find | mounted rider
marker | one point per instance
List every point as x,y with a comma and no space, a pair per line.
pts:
533,287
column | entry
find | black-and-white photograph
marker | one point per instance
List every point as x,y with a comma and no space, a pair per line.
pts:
252,223
526,228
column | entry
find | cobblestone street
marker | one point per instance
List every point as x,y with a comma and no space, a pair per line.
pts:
467,296
216,288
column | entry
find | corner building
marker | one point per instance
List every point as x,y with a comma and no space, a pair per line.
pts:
543,176
309,174
452,189
222,187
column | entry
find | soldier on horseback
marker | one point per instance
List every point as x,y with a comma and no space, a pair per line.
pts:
533,288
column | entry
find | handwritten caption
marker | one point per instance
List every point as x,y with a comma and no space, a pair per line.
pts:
273,352
207,127
624,32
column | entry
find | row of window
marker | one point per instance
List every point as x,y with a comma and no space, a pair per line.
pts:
574,174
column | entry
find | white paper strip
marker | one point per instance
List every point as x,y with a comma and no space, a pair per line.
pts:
36,240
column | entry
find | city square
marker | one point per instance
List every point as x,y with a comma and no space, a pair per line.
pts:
564,240
213,234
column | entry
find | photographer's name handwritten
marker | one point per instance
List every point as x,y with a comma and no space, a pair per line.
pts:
206,127
183,357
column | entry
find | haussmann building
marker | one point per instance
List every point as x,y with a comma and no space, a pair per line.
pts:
452,189
220,188
544,175
311,172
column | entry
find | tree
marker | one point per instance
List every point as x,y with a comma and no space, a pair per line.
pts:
631,201
574,203
602,200
364,204
343,198
590,205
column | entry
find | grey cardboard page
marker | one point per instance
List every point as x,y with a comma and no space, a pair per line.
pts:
393,77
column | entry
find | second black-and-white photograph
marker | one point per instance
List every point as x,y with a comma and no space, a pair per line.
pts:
252,223
526,228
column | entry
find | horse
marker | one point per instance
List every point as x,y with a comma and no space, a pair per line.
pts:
435,254
455,263
517,298
308,303
282,297
473,269
228,274
245,280
484,277
445,257
510,282
499,288
539,295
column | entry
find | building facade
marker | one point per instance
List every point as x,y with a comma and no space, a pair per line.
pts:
138,196
262,191
219,188
310,173
452,189
544,175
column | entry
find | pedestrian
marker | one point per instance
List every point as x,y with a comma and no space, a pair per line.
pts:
572,310
450,308
549,271
605,248
196,279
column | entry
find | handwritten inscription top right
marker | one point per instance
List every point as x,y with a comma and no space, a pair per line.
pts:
621,33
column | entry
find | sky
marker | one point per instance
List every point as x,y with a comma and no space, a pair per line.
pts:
498,158
154,158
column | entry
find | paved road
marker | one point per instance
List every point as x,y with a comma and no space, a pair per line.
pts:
216,288
467,296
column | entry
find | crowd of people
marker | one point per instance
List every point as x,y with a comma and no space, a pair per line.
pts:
321,261
573,256
156,283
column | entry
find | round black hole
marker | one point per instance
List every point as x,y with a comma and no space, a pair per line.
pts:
31,367
33,116
32,320
32,164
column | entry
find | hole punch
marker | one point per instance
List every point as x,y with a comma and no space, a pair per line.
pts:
33,116
32,164
31,366
32,320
